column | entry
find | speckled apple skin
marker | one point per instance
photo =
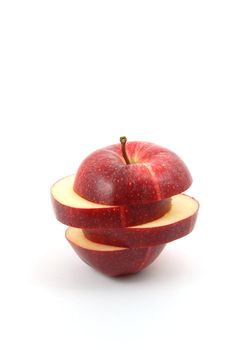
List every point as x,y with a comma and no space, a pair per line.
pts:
118,216
133,237
119,262
155,173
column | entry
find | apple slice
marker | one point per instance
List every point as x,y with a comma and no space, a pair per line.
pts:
136,173
111,260
73,210
176,223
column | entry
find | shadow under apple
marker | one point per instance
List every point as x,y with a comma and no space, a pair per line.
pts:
170,269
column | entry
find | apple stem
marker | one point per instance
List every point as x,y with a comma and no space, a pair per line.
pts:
123,141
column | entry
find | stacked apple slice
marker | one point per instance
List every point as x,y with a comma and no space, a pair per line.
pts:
123,206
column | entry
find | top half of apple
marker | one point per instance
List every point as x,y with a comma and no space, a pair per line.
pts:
132,173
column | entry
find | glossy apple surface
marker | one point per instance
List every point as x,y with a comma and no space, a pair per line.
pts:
111,260
73,210
154,173
176,223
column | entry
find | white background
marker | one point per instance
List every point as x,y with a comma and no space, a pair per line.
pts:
74,76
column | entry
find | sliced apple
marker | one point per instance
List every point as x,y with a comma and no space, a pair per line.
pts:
111,260
176,223
73,210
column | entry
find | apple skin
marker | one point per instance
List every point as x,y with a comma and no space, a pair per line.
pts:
118,262
108,217
133,237
154,173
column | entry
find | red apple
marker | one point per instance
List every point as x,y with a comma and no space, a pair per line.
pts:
140,173
178,222
73,210
111,260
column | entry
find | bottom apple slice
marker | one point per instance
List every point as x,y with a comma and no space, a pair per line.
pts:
176,223
111,260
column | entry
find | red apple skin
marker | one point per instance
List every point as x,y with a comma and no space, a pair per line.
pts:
118,216
155,173
132,237
119,262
